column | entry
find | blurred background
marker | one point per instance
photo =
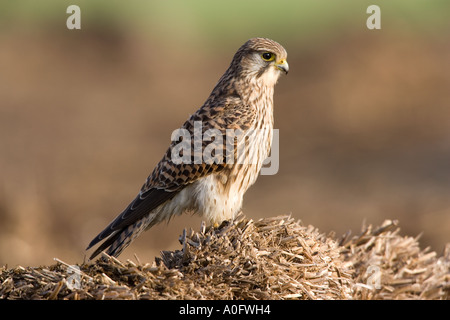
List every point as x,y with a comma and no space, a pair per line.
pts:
363,116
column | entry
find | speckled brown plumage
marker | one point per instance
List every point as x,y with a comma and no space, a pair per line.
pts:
240,108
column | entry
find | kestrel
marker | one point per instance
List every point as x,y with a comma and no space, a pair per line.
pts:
186,179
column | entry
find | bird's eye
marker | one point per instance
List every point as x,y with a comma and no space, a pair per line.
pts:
268,56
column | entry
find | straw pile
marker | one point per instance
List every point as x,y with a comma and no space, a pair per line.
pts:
273,258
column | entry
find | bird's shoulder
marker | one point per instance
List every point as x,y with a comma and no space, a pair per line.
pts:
223,113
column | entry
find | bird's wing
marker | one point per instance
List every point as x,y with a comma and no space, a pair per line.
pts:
169,178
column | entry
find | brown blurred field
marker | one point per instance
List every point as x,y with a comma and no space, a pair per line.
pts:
364,120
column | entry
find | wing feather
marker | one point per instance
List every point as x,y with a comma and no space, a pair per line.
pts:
168,178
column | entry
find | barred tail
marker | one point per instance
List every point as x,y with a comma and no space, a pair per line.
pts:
120,239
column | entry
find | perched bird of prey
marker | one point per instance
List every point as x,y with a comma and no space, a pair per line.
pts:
184,181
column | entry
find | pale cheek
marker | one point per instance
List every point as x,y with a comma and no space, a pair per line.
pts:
270,77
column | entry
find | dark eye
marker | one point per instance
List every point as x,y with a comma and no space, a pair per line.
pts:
268,56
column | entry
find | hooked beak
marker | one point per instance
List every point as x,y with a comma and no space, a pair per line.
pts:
283,66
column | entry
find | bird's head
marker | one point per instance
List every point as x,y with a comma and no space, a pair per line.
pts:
262,59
